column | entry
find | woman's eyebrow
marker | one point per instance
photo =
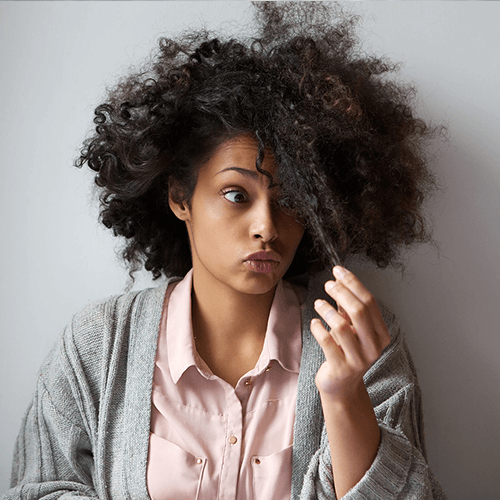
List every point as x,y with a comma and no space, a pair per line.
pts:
243,171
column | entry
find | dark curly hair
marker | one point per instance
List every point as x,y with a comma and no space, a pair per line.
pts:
349,149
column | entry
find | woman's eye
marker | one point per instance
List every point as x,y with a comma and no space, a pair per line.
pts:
235,196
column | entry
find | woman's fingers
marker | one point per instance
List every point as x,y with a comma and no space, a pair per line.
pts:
356,327
326,341
356,337
360,317
359,304
344,314
341,332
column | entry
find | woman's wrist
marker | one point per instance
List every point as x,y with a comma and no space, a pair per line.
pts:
353,434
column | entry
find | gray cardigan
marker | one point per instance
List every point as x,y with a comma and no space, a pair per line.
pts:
86,432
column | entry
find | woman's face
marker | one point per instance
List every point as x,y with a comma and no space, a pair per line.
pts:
239,236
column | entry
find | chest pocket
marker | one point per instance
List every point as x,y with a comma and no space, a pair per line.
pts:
174,474
271,475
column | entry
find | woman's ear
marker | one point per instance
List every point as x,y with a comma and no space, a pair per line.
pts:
180,208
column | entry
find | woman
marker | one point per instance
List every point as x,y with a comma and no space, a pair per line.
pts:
234,165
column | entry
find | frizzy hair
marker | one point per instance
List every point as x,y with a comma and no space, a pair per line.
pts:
350,151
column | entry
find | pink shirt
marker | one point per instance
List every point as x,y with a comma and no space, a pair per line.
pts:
212,441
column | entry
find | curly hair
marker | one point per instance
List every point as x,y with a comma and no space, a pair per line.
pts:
349,148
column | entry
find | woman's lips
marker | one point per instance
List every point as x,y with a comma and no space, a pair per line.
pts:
261,266
263,262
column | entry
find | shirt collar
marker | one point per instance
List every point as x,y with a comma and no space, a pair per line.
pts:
180,341
282,342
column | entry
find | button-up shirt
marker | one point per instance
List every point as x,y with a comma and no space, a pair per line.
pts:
210,440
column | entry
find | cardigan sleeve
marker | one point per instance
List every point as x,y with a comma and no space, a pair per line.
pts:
53,452
400,470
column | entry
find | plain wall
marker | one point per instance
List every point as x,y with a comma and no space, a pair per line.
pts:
55,60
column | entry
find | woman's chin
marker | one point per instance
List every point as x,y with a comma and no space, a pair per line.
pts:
261,283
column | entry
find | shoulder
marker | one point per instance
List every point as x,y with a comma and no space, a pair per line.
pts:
391,321
115,307
113,315
106,327
394,371
101,341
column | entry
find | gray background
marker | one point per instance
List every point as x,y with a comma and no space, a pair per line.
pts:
55,60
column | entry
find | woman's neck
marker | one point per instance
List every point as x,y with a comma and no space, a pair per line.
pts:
229,327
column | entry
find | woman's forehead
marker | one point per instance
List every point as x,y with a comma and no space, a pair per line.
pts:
236,153
241,145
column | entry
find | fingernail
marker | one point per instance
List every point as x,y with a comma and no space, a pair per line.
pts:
318,302
339,272
329,285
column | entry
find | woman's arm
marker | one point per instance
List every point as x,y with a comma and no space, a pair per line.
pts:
399,470
353,435
356,339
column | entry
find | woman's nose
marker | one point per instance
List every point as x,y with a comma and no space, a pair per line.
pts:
263,223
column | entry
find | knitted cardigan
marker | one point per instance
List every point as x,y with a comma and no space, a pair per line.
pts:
86,432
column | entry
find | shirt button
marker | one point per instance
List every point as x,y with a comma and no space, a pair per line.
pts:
248,382
256,461
268,368
199,461
233,440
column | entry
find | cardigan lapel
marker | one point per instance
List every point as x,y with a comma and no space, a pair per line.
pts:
144,328
308,413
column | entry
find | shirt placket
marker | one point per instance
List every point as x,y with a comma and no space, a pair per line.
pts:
232,447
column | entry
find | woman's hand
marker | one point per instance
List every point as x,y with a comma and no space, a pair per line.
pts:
356,338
